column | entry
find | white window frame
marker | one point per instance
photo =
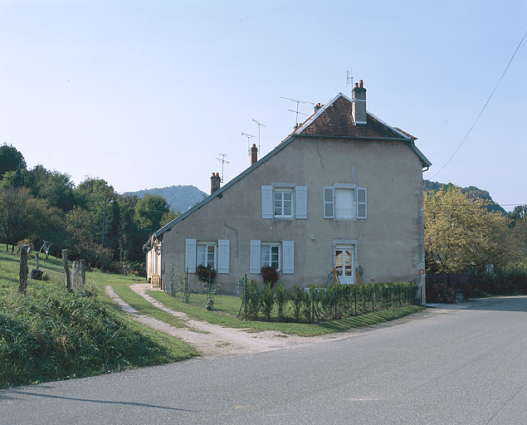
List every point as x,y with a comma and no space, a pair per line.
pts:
268,246
204,246
282,191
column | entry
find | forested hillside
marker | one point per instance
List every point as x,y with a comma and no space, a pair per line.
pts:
180,198
471,192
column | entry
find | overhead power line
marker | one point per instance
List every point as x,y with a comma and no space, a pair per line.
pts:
484,107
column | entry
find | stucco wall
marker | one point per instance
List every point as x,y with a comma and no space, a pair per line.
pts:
389,241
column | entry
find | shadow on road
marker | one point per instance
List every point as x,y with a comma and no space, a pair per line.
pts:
122,403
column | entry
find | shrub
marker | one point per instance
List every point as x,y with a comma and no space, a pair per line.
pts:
439,293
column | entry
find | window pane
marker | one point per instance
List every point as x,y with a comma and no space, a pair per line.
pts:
275,256
201,255
338,262
265,256
278,203
210,255
348,263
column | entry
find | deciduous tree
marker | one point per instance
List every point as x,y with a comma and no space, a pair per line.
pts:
460,233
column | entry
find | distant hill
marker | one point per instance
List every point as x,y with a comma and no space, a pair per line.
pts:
180,198
472,191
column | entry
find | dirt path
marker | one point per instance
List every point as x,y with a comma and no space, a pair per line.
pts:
215,340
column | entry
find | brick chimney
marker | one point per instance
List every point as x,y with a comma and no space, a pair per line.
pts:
358,109
254,154
215,180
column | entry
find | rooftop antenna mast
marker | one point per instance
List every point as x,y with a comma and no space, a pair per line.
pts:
223,162
249,137
259,126
298,102
349,80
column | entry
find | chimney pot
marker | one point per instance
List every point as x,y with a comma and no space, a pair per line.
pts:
361,86
254,154
215,182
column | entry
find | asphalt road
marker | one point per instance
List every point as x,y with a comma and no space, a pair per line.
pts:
463,365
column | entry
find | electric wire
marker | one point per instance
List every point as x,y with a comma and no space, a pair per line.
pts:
484,107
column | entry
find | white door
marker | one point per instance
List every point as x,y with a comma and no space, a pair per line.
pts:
343,262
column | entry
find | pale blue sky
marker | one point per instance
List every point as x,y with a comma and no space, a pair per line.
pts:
147,93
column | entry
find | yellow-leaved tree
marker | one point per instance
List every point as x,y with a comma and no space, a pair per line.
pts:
461,234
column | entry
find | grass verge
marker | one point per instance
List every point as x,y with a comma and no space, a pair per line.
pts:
301,329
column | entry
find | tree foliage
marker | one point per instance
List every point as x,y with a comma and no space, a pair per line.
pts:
10,159
460,233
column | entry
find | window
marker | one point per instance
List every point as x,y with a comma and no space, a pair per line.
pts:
271,256
345,202
208,254
275,254
284,201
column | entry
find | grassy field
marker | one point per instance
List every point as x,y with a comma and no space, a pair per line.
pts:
51,333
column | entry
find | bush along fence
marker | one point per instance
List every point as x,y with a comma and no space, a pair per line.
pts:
317,304
451,288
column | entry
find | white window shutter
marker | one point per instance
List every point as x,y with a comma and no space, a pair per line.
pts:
254,260
301,202
329,202
289,257
267,201
190,255
223,255
362,205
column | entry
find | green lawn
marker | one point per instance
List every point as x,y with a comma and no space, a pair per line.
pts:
227,308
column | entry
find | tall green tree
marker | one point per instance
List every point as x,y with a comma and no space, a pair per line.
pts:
153,212
10,159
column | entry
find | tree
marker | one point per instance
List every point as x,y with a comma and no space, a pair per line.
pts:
153,212
23,216
10,159
82,238
460,233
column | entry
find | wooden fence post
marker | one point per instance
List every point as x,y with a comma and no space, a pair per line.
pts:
22,285
78,274
66,268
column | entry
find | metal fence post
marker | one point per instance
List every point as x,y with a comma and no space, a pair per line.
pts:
245,296
372,300
313,306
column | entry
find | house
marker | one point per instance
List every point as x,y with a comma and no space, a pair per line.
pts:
343,193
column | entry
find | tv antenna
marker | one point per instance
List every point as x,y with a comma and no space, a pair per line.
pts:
249,137
349,80
259,126
298,102
223,162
